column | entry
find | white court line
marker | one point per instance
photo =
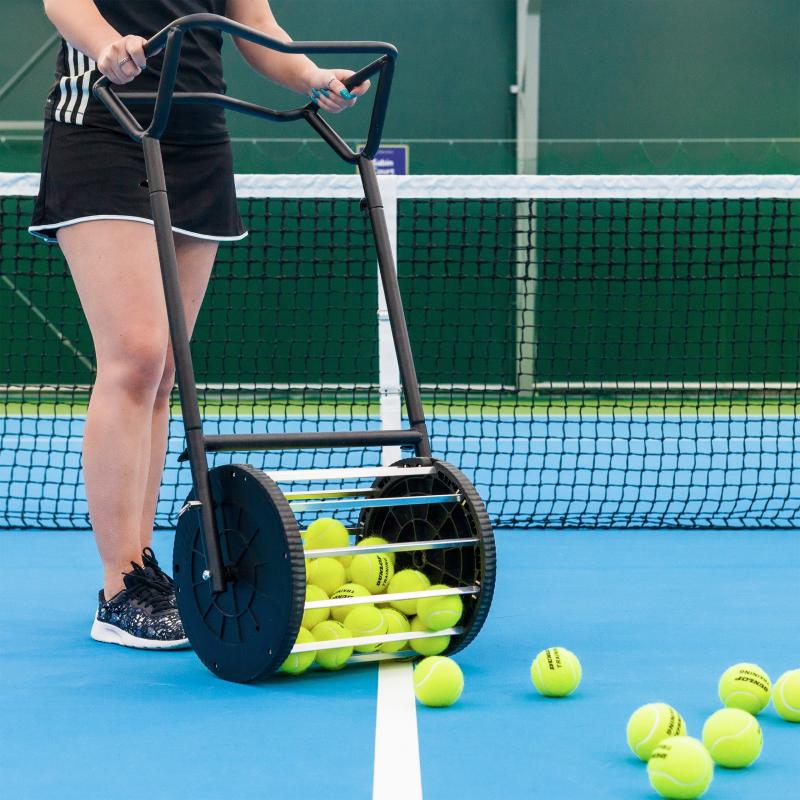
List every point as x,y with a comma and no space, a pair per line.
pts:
396,740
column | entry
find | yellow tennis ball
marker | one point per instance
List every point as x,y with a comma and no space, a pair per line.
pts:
372,571
733,738
396,622
347,590
336,657
430,646
371,541
439,613
649,725
745,686
556,672
407,580
327,573
326,532
680,768
313,616
786,695
438,681
366,621
300,662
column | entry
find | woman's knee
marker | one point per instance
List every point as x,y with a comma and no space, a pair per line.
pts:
166,384
136,367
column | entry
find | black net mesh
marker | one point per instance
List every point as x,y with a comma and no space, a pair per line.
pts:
586,362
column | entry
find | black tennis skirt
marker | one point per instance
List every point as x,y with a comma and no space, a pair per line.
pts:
91,173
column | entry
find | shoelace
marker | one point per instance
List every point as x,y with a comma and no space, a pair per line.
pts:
148,590
149,560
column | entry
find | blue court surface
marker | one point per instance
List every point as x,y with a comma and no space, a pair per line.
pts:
654,615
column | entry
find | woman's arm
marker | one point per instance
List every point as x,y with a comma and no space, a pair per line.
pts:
120,58
297,72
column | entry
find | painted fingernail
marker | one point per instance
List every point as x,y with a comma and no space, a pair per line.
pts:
325,92
315,92
346,94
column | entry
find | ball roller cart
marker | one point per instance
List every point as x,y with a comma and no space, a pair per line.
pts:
239,562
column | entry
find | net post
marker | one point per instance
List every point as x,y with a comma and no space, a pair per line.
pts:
389,376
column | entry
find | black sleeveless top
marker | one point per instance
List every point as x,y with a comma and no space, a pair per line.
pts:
71,100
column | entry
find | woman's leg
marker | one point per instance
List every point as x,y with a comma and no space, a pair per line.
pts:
115,268
195,261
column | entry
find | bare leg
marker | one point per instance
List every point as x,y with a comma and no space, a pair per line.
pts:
115,268
195,261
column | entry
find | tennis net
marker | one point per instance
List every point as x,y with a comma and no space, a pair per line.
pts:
595,351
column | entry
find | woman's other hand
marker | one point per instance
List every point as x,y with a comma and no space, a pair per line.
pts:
123,59
326,88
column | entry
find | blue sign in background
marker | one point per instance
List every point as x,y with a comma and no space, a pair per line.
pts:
392,159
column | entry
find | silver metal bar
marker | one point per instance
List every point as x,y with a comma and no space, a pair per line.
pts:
391,598
352,473
398,547
333,644
328,493
376,502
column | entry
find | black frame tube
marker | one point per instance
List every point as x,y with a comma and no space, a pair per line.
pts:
184,367
198,445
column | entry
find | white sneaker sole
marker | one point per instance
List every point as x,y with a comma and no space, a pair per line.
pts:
111,634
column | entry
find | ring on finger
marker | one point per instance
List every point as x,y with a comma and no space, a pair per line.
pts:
328,85
122,62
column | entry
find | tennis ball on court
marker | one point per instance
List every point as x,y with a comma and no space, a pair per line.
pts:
371,541
439,613
313,616
680,768
373,571
407,580
438,681
556,672
300,662
327,573
430,646
649,725
347,590
366,621
745,686
336,657
326,532
733,738
396,622
786,695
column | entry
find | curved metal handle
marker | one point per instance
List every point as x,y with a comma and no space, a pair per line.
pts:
170,38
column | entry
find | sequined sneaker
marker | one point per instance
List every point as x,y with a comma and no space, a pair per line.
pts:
142,615
150,562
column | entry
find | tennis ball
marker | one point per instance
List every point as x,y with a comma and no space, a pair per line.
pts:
395,623
786,695
371,541
327,573
430,646
372,571
733,737
313,616
438,681
326,532
327,631
680,768
649,725
366,621
556,672
439,613
745,686
407,580
347,590
300,662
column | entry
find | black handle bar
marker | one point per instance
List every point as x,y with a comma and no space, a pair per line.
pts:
170,38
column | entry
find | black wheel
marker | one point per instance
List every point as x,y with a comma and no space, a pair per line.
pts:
456,566
246,632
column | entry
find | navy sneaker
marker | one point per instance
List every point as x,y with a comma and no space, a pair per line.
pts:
149,562
142,615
